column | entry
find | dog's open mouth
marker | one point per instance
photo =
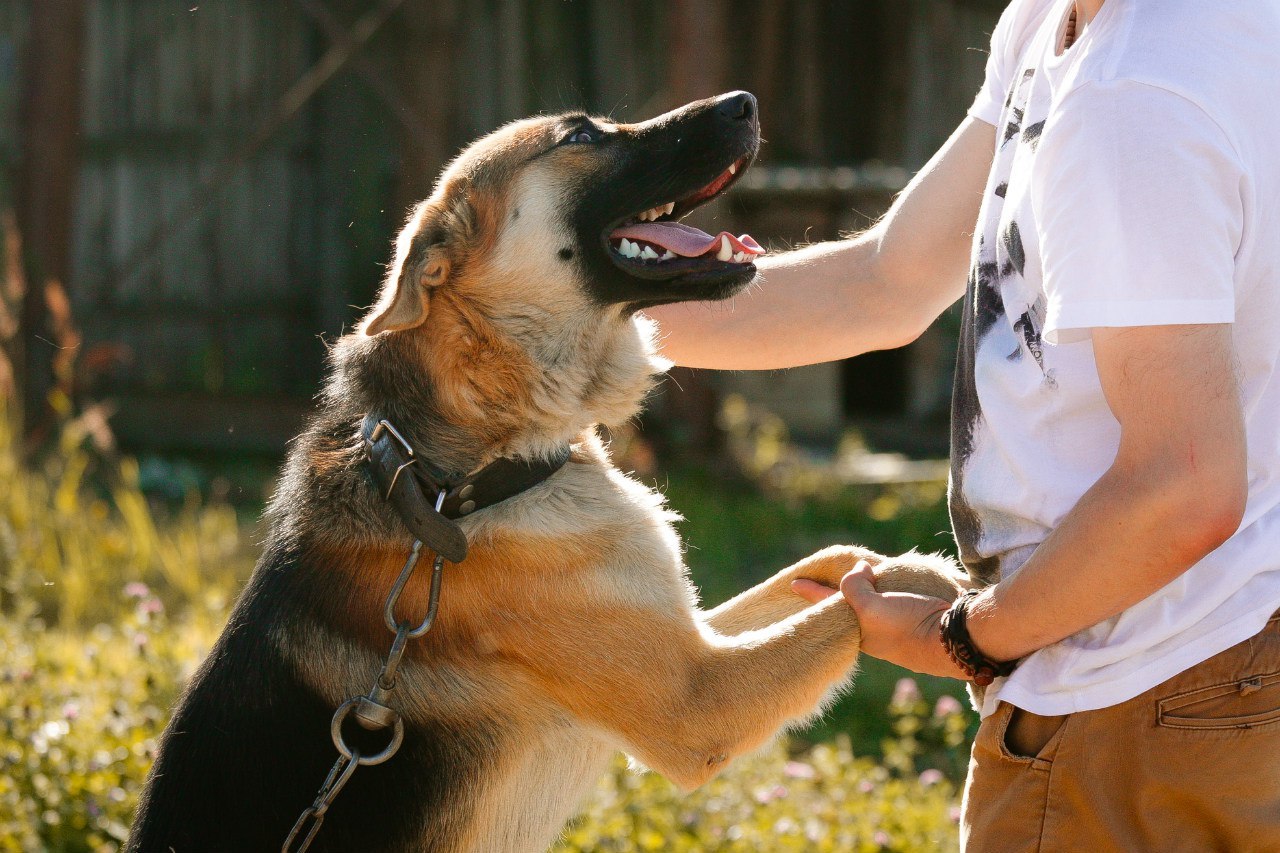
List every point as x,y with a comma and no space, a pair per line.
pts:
655,241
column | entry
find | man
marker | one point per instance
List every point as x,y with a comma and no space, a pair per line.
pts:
1116,424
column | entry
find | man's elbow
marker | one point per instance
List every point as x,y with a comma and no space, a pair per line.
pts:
1227,515
1210,507
915,297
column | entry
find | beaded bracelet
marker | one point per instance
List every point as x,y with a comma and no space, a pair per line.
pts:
954,634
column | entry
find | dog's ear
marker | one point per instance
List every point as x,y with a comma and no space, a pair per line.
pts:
422,262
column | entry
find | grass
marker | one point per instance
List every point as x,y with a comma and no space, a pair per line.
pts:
108,600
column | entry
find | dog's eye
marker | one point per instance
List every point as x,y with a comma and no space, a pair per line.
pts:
579,136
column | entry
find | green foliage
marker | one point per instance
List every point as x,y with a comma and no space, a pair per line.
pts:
91,661
80,711
70,542
825,799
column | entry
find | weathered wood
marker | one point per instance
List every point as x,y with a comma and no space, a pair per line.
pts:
199,422
47,183
430,62
294,243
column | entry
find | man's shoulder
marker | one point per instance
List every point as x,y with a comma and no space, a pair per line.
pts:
1017,25
1224,57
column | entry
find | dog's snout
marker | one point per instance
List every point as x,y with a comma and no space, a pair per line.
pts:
737,106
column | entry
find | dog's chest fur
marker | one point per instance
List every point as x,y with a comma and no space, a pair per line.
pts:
586,536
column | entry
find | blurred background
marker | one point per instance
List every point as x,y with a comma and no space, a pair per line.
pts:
195,196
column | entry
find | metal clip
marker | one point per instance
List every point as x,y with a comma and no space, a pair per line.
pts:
335,732
396,476
385,424
433,598
338,777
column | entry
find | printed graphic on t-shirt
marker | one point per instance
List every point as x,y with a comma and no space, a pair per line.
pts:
1001,315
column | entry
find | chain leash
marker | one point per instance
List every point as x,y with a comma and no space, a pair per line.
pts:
372,711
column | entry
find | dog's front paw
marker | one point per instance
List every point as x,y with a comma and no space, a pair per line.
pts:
829,565
923,574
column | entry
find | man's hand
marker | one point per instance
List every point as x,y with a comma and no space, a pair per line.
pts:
899,627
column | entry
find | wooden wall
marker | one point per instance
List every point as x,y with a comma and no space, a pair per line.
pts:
222,322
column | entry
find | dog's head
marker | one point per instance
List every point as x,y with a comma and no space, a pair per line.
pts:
569,211
513,296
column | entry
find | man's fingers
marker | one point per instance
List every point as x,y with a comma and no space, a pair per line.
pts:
857,584
812,590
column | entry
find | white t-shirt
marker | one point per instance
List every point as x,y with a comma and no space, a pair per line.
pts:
1136,182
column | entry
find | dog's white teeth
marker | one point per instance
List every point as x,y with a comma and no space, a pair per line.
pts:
739,257
726,251
649,254
628,249
733,169
655,213
668,255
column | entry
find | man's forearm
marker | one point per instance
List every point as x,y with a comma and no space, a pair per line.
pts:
835,300
831,291
1125,540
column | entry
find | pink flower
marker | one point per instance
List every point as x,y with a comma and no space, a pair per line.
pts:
136,589
768,795
930,777
947,705
799,770
905,692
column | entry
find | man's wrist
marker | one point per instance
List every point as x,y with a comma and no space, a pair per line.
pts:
955,634
998,632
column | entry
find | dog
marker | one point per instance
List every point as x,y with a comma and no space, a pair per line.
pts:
510,324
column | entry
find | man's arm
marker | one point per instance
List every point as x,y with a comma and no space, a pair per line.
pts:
835,300
1176,491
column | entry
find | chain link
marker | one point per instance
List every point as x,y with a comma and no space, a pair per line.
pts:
371,710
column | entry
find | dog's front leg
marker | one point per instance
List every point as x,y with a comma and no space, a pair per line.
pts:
773,600
682,697
685,700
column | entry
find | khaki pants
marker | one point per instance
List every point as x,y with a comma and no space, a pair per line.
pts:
1191,765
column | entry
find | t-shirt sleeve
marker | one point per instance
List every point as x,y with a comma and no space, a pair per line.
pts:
1015,26
1138,200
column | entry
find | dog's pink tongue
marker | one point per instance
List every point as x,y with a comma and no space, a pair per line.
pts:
685,240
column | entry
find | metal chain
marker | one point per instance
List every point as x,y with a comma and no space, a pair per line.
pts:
371,710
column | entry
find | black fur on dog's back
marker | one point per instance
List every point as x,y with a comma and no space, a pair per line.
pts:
249,746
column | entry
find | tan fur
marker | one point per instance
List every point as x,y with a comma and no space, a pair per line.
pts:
572,619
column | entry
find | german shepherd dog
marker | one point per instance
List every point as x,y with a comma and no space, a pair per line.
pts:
508,327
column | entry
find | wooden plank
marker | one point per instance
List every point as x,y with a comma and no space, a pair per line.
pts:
512,67
201,422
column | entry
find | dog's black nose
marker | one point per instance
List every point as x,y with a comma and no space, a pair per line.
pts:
737,106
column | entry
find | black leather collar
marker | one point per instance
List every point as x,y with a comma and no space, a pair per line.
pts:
429,500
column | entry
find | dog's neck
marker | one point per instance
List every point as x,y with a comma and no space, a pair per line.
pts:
472,385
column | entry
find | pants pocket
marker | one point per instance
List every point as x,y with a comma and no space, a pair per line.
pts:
1031,739
1007,794
1242,703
